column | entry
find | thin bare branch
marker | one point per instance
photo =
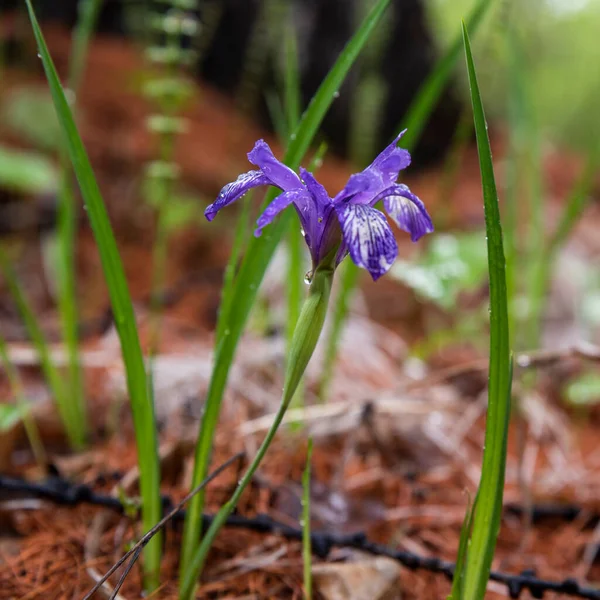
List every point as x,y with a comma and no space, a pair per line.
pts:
136,549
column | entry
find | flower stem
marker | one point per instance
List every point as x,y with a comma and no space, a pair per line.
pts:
306,335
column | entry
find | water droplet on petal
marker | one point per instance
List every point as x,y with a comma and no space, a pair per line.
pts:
308,277
302,232
336,94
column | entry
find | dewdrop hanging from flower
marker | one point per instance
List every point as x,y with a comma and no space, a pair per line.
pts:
346,224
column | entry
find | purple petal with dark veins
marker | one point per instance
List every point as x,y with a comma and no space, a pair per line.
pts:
390,162
234,191
279,174
314,187
280,203
406,210
361,187
368,237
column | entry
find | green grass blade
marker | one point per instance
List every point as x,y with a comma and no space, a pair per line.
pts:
576,202
51,373
306,543
292,97
430,92
89,11
122,307
239,241
17,389
67,296
486,522
253,268
67,224
465,532
295,240
348,280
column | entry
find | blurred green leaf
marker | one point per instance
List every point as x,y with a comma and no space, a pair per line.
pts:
585,390
28,112
26,172
453,263
10,415
429,93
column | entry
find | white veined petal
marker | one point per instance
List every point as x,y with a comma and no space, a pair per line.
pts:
369,239
408,212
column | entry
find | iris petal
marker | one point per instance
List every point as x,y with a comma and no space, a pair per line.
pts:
234,191
391,161
315,188
368,237
278,174
361,187
280,203
407,211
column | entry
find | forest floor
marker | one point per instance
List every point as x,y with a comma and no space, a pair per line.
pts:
397,445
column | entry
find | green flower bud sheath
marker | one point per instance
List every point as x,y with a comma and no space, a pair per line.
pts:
305,338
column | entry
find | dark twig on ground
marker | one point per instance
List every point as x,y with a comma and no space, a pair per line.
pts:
136,550
59,491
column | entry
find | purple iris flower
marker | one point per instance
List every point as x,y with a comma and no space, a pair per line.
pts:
346,224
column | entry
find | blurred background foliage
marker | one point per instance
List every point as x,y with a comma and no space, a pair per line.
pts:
559,39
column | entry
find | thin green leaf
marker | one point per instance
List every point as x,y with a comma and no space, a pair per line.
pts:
252,270
239,241
292,97
349,276
465,532
22,406
51,373
486,522
89,11
576,202
67,296
430,92
306,542
10,415
295,240
122,307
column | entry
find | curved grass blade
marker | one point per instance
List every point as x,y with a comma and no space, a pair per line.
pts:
306,541
23,406
67,296
459,572
348,280
89,11
295,241
253,268
430,92
51,373
486,521
122,307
